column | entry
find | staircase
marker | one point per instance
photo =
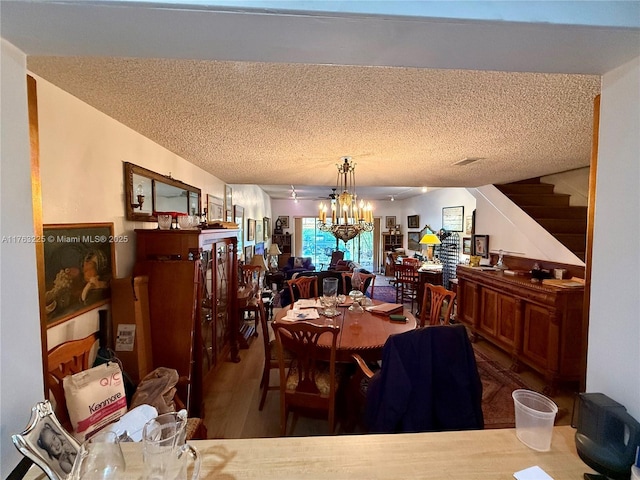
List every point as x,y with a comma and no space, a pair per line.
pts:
551,210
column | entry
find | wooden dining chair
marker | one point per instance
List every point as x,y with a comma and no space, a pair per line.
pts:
406,278
368,280
270,356
310,382
411,261
433,300
302,287
66,359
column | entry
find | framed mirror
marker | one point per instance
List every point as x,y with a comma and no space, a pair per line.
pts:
148,192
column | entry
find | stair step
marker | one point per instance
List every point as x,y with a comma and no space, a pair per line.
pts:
573,241
564,225
529,188
545,199
555,212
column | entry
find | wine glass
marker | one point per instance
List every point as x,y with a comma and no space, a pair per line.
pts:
329,296
99,458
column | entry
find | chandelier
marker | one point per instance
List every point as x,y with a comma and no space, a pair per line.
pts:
349,218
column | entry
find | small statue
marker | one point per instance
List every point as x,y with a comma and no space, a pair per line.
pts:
500,263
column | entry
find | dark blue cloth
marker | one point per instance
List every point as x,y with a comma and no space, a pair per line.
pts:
429,381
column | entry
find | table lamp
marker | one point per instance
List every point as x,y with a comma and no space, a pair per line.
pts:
273,252
430,239
258,261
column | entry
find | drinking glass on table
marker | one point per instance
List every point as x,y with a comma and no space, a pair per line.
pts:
99,458
329,296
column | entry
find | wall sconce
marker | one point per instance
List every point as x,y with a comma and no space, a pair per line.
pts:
139,196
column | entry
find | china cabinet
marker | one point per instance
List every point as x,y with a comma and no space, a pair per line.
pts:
193,288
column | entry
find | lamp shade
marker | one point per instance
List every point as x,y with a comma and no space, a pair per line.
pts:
430,239
274,249
258,260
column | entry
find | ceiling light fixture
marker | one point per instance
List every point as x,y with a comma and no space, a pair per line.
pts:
393,199
294,194
424,189
467,161
349,218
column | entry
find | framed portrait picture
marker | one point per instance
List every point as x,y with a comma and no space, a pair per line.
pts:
266,221
413,241
466,246
481,245
46,443
453,219
284,221
413,221
248,254
390,222
79,263
215,208
251,230
259,225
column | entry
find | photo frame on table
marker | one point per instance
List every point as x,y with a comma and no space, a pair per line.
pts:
466,246
413,241
215,208
267,228
481,245
453,219
390,222
77,268
284,221
413,221
36,439
251,230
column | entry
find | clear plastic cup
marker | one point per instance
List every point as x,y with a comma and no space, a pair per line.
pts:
535,415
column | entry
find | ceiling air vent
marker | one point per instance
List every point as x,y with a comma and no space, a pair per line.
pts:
467,161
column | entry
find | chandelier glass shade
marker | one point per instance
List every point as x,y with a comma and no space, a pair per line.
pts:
349,217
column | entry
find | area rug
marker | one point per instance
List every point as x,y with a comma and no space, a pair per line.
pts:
497,384
384,293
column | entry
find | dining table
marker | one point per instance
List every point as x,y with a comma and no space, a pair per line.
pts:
364,333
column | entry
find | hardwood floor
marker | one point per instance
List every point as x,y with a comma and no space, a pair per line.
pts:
232,398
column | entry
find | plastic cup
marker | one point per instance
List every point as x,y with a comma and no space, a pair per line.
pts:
535,415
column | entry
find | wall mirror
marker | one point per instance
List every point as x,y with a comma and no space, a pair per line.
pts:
147,192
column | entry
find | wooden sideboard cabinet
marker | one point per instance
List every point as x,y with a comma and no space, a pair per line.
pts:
538,325
192,287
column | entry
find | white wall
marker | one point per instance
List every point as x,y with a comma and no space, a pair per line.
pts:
82,152
613,363
574,183
257,205
20,352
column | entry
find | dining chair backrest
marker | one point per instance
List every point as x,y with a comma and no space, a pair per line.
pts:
411,261
434,297
65,359
310,382
367,280
250,273
270,357
302,287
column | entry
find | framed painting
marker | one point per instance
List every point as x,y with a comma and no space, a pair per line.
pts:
238,217
228,198
466,245
453,219
259,225
78,265
251,230
284,221
413,221
215,208
267,228
259,250
481,245
413,241
390,222
468,225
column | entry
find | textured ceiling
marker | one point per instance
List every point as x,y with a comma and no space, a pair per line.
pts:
290,123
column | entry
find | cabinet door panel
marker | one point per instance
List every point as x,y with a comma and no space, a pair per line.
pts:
466,301
489,311
506,329
537,322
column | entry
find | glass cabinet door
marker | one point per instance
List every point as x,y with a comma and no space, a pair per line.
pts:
207,324
222,277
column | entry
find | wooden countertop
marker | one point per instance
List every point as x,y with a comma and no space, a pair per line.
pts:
478,455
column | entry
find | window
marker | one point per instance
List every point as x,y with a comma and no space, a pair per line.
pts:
319,245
